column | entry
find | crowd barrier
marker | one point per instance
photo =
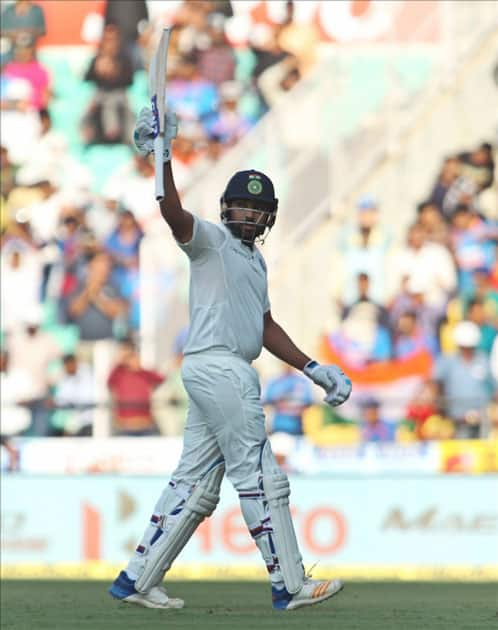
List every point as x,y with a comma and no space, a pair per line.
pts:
159,455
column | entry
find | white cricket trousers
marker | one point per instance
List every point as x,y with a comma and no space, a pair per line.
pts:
225,418
225,421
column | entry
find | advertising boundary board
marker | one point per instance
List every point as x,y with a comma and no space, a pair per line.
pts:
159,456
419,528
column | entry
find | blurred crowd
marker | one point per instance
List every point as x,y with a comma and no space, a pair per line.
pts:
418,321
70,298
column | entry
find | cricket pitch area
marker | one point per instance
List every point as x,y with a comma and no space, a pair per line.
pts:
74,605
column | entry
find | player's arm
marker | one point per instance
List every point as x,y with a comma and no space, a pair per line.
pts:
278,342
179,220
331,378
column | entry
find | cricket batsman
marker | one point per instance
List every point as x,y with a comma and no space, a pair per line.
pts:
230,322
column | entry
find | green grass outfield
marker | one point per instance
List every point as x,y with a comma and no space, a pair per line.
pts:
68,605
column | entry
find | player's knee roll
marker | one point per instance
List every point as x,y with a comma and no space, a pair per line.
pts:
276,485
202,501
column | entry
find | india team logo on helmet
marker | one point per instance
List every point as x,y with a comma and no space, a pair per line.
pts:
255,187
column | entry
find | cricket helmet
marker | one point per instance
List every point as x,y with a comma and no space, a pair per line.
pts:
250,191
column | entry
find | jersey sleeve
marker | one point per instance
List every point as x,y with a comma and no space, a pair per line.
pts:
206,235
266,300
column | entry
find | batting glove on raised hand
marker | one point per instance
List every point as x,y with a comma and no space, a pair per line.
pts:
145,132
333,380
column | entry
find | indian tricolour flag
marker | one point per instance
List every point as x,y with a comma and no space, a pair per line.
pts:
394,382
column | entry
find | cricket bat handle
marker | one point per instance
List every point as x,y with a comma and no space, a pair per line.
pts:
158,162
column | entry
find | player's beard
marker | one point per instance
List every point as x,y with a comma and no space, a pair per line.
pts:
246,232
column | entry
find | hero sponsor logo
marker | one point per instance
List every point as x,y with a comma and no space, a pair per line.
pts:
321,530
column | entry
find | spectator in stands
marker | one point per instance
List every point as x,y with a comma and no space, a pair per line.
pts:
191,96
132,22
25,66
478,165
466,381
229,123
131,387
410,339
363,282
426,413
7,173
299,39
108,119
265,46
448,175
64,272
278,79
32,350
21,273
102,215
18,228
132,187
360,339
15,387
364,247
50,149
191,24
289,394
216,61
472,244
426,264
18,121
483,289
22,18
123,246
74,398
94,305
433,223
476,313
373,427
211,151
43,213
412,297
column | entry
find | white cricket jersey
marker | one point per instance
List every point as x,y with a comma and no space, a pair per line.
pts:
228,293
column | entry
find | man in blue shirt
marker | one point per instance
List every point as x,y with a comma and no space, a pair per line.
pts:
373,427
466,381
289,394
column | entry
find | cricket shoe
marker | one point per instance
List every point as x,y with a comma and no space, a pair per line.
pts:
312,592
123,588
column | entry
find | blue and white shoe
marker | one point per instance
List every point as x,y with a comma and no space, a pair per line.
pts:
312,592
123,588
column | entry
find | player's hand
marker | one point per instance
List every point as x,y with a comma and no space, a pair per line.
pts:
145,132
333,380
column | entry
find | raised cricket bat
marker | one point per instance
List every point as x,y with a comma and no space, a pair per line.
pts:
157,91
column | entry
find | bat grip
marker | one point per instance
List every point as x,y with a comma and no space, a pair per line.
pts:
158,162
